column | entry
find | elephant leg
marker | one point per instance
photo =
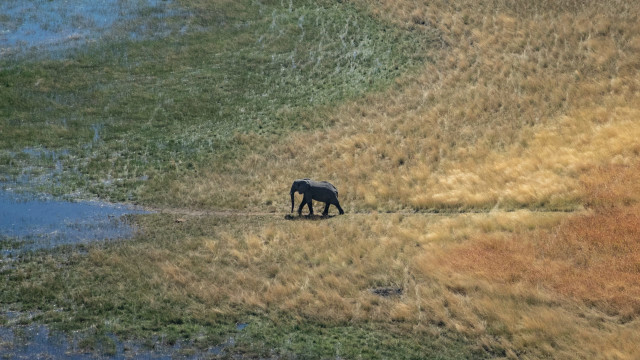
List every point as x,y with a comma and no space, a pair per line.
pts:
302,204
307,200
326,209
310,203
337,204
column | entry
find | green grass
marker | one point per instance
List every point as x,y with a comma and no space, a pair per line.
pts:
311,341
9,243
120,119
124,114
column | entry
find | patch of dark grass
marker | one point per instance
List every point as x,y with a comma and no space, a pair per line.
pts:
7,244
308,340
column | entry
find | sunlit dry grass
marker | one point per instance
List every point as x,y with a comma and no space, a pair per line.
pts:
321,271
460,274
529,105
593,257
292,266
590,258
517,102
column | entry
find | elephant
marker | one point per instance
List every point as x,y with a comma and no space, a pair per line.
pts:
315,190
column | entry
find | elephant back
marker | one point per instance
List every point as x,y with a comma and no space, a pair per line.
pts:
327,185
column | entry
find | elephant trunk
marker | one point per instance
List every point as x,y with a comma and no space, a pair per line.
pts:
292,201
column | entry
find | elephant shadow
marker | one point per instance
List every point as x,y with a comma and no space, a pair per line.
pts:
313,217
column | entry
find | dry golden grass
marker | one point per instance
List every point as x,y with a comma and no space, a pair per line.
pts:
323,271
614,186
594,257
518,101
590,258
529,105
519,284
293,266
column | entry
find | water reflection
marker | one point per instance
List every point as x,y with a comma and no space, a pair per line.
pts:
57,25
37,341
43,223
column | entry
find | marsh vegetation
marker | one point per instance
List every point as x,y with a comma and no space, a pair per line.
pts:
486,156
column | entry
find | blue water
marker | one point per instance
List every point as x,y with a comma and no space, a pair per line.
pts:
59,24
39,342
44,223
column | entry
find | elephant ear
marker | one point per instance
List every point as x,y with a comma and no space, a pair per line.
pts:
304,186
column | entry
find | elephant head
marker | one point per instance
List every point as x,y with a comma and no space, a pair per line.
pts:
301,186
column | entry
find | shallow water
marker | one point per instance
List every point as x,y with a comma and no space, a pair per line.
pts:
34,342
43,222
59,24
38,342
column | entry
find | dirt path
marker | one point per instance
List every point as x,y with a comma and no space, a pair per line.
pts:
287,215
197,212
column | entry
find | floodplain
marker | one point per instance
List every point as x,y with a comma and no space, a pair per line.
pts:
486,156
